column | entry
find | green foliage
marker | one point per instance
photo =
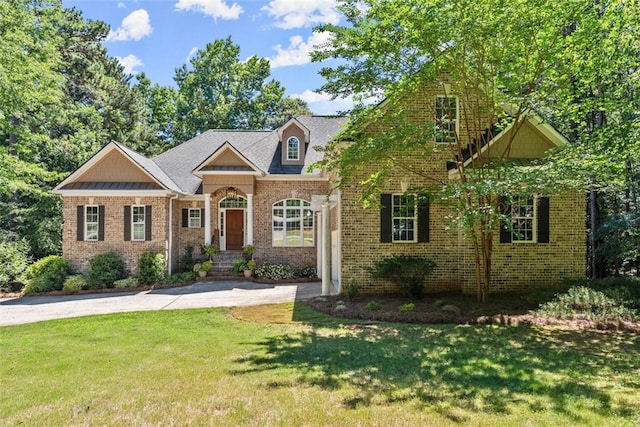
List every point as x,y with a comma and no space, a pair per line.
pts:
373,305
352,289
202,266
13,260
307,271
186,260
248,250
180,278
587,303
209,250
47,274
274,271
74,283
129,282
252,265
408,272
239,265
151,266
407,307
105,269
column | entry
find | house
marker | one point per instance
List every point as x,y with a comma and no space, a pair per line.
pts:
228,187
236,188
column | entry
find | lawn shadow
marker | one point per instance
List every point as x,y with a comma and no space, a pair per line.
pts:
49,299
451,368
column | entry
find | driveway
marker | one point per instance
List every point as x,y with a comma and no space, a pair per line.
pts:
15,311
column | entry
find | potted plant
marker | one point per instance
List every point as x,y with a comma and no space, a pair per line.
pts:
202,268
209,250
239,265
248,251
249,268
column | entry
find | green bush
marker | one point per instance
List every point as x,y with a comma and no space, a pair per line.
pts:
408,272
186,260
105,269
239,265
586,303
274,271
74,283
13,260
352,289
407,307
129,282
47,274
307,271
150,268
373,305
179,278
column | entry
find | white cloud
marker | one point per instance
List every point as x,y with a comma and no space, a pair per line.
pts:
134,27
213,8
302,13
298,51
130,63
121,5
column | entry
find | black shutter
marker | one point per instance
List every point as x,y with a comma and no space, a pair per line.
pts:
543,219
505,230
385,218
101,223
185,217
147,222
423,221
202,217
127,223
80,223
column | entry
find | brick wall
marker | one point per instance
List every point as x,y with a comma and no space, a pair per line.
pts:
79,252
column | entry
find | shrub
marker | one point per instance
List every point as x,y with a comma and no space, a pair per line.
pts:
307,271
150,268
587,303
406,271
186,260
274,271
13,260
129,282
407,307
185,277
46,274
238,265
352,289
74,283
105,269
373,305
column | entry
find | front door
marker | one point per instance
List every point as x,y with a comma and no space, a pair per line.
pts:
234,229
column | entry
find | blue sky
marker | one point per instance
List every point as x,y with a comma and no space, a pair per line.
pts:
157,36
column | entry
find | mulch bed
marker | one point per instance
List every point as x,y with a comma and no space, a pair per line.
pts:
502,309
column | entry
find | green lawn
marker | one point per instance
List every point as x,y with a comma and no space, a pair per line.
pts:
205,367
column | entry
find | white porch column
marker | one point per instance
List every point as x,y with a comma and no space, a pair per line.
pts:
207,219
319,244
326,249
249,219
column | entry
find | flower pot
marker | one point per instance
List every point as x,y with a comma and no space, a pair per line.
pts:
202,273
248,273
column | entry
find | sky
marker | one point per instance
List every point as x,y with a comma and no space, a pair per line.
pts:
158,36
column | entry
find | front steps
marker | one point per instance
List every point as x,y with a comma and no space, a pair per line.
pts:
222,264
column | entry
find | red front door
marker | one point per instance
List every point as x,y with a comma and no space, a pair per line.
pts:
234,232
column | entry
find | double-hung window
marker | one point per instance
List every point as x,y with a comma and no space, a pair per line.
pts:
523,219
404,217
446,119
91,222
137,223
195,217
292,223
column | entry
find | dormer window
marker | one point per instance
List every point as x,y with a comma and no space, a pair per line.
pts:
293,148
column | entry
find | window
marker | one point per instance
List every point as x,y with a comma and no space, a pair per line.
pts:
403,214
195,218
91,223
293,148
292,223
523,215
137,223
446,128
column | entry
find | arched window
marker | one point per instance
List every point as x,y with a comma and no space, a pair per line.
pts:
292,223
293,148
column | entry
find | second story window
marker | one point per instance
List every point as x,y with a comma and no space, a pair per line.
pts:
293,148
446,119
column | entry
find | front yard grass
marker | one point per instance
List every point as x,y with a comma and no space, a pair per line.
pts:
224,367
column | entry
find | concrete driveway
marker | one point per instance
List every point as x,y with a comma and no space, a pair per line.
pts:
15,311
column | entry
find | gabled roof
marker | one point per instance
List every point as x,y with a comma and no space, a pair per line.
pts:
208,165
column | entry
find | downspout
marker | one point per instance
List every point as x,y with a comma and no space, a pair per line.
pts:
170,234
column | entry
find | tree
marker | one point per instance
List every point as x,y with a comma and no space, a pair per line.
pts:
493,55
286,110
219,91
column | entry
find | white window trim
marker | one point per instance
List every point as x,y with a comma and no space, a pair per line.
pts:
457,123
86,223
302,209
133,223
415,219
190,218
534,225
297,151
